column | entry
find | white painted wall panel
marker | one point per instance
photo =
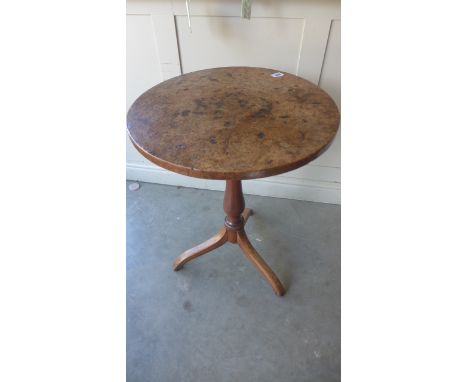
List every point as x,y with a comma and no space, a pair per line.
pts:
143,61
232,41
143,65
300,37
330,81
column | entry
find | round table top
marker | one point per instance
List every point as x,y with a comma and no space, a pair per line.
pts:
233,123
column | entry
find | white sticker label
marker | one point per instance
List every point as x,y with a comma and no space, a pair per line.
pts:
277,74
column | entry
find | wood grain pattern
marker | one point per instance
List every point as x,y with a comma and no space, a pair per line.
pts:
233,123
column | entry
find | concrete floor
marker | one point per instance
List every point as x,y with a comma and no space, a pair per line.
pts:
217,319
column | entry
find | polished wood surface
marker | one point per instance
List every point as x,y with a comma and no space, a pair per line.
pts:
233,123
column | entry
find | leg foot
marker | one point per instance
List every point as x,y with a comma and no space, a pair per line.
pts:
259,263
216,241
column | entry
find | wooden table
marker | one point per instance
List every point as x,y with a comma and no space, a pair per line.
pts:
233,124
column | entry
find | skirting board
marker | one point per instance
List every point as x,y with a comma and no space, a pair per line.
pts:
277,186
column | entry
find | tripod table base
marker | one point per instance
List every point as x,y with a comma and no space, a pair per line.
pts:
234,236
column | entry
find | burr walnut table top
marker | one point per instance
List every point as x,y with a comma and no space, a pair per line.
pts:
233,123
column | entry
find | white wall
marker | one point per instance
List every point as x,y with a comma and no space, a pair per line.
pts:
297,36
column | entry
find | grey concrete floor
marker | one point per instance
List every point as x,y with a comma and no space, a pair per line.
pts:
217,319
